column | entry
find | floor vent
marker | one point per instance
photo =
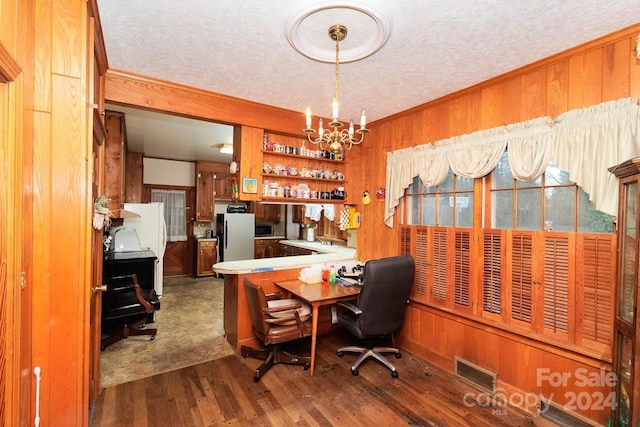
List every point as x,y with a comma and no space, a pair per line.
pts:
477,375
559,416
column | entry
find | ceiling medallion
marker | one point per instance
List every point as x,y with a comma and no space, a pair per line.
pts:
364,20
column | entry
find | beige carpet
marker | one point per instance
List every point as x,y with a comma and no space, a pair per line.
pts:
190,331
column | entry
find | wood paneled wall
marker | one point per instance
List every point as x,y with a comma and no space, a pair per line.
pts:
599,71
46,212
14,338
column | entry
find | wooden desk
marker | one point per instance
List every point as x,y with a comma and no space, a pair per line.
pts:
316,295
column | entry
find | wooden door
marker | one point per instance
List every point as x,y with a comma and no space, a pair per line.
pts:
96,70
95,284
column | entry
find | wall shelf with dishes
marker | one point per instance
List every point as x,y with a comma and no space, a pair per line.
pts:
302,201
289,164
298,156
298,177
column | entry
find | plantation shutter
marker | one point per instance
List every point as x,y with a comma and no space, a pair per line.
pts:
440,261
521,277
557,296
462,265
596,273
421,281
492,272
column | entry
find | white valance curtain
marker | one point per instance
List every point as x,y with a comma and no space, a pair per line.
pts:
583,142
174,202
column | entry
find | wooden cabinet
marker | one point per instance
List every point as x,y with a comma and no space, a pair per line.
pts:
297,214
288,250
267,248
222,186
206,256
267,212
115,159
204,193
320,174
626,352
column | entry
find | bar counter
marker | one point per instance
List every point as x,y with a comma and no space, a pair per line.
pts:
266,271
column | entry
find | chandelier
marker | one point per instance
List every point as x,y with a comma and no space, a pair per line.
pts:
335,138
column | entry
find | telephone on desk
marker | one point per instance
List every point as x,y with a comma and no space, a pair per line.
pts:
350,279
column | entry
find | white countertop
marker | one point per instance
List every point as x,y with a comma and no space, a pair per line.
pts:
319,247
326,253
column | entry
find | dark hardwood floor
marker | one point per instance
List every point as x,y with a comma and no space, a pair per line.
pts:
222,392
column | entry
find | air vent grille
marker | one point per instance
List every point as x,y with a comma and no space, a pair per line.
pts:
559,416
477,375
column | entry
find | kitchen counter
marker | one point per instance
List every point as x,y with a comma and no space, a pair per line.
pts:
326,253
320,248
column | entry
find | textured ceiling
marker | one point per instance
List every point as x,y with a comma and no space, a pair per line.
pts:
434,47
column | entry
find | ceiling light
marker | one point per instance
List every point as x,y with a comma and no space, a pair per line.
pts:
225,148
336,139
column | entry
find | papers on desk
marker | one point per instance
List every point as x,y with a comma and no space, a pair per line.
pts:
346,281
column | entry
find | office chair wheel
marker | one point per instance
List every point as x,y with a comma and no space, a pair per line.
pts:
398,355
355,372
306,366
245,355
152,337
394,374
340,354
256,379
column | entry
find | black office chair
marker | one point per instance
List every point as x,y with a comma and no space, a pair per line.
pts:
380,308
275,322
126,308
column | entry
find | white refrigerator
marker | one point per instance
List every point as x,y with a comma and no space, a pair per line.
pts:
152,232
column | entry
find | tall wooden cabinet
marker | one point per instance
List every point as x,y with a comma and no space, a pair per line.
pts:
626,353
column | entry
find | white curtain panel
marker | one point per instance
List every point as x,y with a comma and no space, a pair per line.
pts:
583,142
174,212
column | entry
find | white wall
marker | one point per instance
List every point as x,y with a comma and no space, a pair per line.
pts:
169,172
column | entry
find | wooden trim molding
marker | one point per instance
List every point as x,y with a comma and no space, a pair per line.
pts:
100,51
148,93
9,67
99,131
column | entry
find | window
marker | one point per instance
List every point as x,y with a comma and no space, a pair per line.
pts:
448,204
174,212
550,202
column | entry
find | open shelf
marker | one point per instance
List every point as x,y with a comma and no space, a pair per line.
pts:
338,182
302,201
307,158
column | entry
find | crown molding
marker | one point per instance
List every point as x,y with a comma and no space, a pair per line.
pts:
9,67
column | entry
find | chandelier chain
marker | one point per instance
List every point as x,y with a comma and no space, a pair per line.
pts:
337,90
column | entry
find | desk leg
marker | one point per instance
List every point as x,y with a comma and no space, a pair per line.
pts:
314,335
